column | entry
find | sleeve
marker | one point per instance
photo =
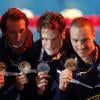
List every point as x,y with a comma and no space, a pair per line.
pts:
58,94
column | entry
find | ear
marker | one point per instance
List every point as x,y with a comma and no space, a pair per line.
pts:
63,34
94,35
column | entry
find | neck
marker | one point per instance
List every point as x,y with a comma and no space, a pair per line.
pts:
17,50
88,60
92,57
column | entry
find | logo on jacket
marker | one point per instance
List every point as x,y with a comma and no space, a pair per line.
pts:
98,69
96,97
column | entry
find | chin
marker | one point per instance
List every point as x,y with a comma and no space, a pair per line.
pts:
82,55
51,52
16,46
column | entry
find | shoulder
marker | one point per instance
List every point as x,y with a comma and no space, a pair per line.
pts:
2,41
35,49
98,47
37,46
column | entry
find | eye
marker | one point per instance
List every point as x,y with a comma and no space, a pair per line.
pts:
22,30
11,31
45,39
75,40
85,40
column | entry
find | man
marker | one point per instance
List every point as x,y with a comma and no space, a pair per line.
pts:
15,41
85,84
49,50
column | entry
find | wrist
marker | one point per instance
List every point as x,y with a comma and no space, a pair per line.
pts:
63,86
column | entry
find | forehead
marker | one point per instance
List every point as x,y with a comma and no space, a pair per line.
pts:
81,31
15,24
48,33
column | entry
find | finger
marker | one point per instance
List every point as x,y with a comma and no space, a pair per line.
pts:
21,76
2,66
66,75
1,76
1,63
1,82
41,85
43,76
67,71
43,81
42,88
39,73
21,79
1,85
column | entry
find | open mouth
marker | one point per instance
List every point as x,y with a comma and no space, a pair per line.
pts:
17,44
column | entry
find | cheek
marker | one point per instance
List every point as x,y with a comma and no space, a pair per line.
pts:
11,37
43,44
59,42
23,37
75,48
74,45
90,46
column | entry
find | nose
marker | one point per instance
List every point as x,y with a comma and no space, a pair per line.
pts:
80,45
49,44
18,36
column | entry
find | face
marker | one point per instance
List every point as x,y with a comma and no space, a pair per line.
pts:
51,41
16,32
82,40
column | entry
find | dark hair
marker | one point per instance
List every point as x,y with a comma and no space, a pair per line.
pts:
12,14
51,20
82,21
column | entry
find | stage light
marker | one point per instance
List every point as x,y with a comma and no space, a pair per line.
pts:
71,13
28,12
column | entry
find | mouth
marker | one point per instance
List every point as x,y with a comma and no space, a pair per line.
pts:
17,44
50,48
81,52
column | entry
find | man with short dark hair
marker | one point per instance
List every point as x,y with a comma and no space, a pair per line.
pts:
49,50
15,41
84,83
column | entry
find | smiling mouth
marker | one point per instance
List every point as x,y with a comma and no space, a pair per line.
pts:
17,44
50,48
81,53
